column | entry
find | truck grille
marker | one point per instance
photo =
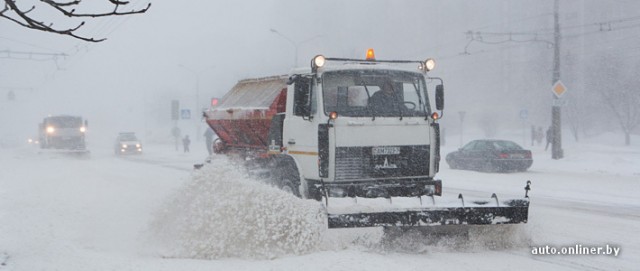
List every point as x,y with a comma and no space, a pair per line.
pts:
361,163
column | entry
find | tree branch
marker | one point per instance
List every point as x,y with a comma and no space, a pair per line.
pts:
22,18
70,13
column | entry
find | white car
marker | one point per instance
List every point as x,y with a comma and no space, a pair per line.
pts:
127,143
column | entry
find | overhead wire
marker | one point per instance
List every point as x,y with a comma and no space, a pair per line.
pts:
28,44
563,37
105,27
80,50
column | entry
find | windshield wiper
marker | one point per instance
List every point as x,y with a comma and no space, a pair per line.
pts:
422,106
368,99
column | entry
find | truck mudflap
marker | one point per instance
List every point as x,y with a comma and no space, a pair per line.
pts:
425,211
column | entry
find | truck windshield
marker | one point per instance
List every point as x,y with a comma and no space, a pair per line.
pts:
374,93
64,122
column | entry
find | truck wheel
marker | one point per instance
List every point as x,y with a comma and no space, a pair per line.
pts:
289,187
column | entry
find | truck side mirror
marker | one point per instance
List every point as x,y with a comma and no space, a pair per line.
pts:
440,97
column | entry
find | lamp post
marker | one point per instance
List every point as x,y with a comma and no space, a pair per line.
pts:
295,45
197,101
461,113
556,143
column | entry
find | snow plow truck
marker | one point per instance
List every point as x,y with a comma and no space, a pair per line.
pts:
319,134
63,133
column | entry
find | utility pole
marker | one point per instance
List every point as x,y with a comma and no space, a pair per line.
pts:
556,125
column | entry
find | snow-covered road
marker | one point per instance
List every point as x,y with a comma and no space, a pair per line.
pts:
67,213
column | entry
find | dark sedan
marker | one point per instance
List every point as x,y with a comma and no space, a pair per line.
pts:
490,155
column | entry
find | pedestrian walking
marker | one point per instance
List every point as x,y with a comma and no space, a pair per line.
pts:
185,143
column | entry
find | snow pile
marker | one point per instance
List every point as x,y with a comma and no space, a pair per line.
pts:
224,213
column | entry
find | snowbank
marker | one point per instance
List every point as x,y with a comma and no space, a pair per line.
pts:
223,213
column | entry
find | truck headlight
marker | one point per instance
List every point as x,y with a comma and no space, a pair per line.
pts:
50,129
124,146
429,64
83,129
318,62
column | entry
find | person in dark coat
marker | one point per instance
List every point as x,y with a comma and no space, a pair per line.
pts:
385,101
185,143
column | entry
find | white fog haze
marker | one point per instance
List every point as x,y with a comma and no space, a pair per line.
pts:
496,58
176,51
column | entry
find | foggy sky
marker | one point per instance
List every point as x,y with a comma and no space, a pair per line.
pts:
128,81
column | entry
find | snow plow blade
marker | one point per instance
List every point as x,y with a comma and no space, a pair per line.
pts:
435,217
473,213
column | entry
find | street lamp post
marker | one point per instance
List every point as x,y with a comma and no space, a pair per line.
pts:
461,113
295,45
197,101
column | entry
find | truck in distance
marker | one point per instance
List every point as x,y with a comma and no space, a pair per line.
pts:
63,133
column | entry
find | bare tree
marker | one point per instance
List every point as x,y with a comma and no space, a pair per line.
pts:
573,115
624,104
583,110
24,17
618,86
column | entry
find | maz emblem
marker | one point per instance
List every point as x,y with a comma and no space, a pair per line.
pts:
386,165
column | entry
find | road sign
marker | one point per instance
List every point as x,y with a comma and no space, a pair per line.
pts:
559,89
185,114
524,114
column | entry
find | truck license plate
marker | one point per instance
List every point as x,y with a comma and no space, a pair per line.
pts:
385,150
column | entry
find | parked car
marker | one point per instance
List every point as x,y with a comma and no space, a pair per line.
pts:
490,155
127,143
